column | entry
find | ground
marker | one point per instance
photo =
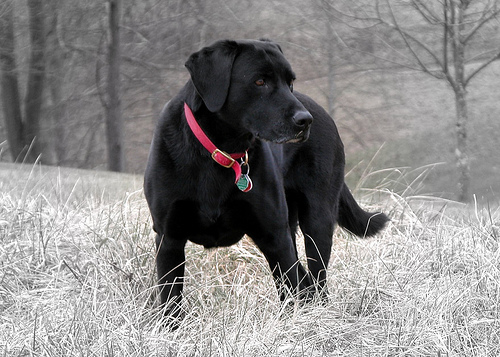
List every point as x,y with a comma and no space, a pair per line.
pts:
77,278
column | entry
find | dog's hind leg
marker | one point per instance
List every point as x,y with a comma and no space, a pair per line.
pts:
317,222
292,280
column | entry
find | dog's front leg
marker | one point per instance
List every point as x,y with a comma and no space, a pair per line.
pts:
170,262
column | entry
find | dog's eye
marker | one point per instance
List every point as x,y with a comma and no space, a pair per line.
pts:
260,82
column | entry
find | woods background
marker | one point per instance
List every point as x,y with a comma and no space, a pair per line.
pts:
412,84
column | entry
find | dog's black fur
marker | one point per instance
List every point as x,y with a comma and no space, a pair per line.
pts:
241,94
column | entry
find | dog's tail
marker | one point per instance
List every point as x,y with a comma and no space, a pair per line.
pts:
355,219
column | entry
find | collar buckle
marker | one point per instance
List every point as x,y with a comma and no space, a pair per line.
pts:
223,158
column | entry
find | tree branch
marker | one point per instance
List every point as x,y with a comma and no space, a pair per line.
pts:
406,36
388,60
481,22
485,54
481,67
431,17
356,17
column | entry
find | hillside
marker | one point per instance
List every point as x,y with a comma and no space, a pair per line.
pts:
77,278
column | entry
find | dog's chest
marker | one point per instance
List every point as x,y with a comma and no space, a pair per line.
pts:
209,214
210,225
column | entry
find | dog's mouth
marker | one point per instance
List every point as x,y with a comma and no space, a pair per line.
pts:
300,137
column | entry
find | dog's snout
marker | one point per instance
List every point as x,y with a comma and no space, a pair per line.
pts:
302,119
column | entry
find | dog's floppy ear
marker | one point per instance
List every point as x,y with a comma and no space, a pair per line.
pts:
210,70
271,42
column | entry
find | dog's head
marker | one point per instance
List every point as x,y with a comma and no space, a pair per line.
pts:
249,85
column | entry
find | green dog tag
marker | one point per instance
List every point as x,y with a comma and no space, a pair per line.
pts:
244,183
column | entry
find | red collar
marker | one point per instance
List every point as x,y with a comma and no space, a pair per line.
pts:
221,157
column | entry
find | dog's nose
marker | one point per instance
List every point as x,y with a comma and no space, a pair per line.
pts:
302,119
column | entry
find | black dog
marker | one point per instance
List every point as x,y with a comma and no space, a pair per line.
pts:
243,112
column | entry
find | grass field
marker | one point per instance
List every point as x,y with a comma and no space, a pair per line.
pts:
77,279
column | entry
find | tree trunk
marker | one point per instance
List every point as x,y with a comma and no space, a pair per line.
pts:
114,127
55,70
9,85
36,77
461,151
331,68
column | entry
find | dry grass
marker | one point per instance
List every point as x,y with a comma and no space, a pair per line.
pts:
77,279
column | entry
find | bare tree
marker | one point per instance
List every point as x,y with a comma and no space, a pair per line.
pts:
114,121
23,130
36,79
453,51
9,81
55,71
